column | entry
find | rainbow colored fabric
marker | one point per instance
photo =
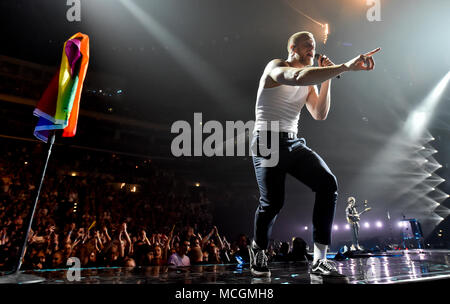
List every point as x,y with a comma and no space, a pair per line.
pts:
59,106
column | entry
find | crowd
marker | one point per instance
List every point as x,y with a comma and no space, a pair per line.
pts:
88,216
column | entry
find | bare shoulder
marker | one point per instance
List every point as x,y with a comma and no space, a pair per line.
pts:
266,80
276,63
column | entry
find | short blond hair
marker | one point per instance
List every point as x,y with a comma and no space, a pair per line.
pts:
296,37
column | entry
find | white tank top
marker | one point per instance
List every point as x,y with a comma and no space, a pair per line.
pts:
282,103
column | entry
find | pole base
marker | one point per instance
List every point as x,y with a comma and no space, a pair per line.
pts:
20,278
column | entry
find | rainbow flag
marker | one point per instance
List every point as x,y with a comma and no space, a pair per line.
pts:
59,106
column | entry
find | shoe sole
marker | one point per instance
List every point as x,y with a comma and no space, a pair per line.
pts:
260,274
328,275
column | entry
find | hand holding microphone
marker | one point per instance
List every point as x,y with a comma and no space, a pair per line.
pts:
324,61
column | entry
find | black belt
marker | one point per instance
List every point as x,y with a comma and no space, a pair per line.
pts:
285,135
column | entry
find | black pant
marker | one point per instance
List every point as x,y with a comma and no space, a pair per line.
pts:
355,233
306,166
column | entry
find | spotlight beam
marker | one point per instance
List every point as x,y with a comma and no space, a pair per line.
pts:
419,118
210,80
325,26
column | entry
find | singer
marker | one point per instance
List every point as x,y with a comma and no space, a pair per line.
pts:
284,88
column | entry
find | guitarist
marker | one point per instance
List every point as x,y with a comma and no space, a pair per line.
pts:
353,218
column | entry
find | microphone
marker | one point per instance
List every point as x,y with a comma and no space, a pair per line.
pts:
317,56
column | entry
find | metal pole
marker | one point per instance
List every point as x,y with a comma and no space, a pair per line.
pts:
19,264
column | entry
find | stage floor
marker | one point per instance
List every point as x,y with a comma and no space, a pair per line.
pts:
385,268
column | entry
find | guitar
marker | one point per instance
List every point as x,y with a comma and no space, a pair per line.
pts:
354,218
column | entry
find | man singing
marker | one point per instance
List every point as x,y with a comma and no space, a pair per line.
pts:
284,88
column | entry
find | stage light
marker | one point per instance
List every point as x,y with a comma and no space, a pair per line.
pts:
347,226
325,26
336,227
197,184
306,228
74,174
367,225
134,189
419,118
379,224
122,185
403,224
326,31
26,163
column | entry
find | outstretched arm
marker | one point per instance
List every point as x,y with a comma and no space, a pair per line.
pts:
221,246
281,73
206,238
